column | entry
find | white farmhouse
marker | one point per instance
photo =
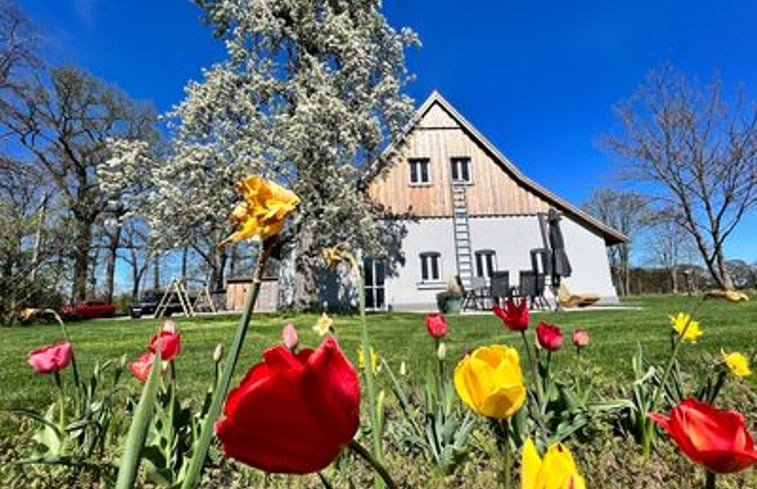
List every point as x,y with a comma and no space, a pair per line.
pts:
469,212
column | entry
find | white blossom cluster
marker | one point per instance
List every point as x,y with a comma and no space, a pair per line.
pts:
308,95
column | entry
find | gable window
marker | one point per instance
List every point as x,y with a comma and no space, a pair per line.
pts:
419,171
461,170
430,266
486,263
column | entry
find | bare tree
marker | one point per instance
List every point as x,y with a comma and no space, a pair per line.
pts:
16,45
64,124
628,213
700,153
669,246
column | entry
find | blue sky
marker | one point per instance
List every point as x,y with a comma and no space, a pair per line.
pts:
538,78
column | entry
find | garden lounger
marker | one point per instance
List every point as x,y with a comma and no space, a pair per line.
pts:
568,300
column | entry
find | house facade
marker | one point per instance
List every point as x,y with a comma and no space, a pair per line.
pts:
468,212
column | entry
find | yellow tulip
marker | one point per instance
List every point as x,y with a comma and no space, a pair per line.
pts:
334,255
679,322
264,210
737,363
490,382
556,471
324,325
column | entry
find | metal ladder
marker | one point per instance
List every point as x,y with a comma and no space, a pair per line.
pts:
461,227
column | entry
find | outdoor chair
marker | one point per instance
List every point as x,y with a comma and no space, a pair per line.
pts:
532,286
500,287
474,297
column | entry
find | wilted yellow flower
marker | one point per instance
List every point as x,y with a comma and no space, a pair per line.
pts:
556,471
334,255
374,360
490,382
737,363
679,324
264,210
323,325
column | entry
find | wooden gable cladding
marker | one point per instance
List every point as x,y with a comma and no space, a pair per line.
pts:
438,137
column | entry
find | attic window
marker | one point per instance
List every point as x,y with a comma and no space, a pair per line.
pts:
461,170
419,171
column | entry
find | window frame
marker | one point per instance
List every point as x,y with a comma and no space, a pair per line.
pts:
422,163
482,262
427,266
463,162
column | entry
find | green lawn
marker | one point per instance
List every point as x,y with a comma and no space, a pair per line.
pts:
399,336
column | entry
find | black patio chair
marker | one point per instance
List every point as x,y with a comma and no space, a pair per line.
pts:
532,286
500,287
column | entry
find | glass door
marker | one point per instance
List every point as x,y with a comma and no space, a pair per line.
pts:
375,275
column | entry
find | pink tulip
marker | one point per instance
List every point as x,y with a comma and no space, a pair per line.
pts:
581,338
169,340
51,358
141,367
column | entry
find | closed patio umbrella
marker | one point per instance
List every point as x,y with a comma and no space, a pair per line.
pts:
560,263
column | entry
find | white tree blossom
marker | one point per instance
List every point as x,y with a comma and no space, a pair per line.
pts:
308,95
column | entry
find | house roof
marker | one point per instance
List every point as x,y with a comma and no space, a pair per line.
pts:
610,235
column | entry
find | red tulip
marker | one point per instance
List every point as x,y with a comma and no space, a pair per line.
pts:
549,336
580,338
436,326
51,358
716,439
170,342
141,367
514,316
293,413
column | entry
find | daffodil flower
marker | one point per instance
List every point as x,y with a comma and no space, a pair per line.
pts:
679,322
737,363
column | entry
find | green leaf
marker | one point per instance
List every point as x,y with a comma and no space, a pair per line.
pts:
127,473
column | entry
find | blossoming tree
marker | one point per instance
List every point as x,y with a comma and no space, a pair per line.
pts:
309,93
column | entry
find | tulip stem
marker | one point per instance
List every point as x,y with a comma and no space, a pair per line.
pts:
506,455
648,425
206,431
374,463
61,401
537,387
709,481
369,378
324,481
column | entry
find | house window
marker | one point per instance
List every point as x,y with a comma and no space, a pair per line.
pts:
486,263
430,266
461,170
419,171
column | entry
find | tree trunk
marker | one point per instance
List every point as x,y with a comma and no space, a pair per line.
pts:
217,270
156,274
82,246
110,273
674,278
725,281
305,286
184,258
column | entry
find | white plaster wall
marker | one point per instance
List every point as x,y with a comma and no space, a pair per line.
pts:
511,238
404,289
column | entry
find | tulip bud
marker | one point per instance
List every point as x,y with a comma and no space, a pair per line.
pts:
441,352
403,368
289,336
218,353
169,326
580,338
